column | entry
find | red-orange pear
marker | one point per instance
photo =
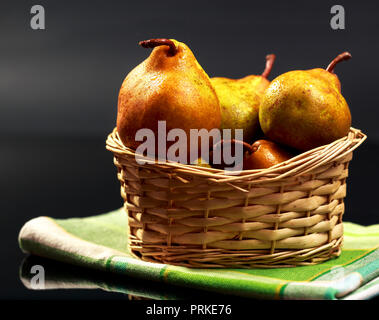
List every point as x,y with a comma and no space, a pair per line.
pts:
169,85
265,154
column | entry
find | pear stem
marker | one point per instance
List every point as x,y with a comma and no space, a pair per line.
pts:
152,43
341,57
270,58
245,145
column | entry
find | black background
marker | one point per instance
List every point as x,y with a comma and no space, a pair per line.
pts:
59,87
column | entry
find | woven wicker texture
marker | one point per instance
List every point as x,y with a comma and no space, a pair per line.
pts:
286,215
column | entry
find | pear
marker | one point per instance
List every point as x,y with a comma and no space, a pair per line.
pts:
201,163
228,146
261,154
265,154
305,109
240,100
170,85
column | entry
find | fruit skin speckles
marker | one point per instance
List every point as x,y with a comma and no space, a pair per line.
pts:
304,109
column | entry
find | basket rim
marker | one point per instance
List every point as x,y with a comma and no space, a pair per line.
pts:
298,165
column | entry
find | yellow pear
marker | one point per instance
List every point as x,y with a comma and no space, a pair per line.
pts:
240,100
201,163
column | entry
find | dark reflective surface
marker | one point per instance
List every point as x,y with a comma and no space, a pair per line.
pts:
92,284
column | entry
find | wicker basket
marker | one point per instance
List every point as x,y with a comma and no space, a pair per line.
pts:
286,215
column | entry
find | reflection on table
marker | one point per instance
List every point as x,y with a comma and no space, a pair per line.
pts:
59,275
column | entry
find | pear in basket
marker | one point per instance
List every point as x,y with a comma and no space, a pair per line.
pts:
240,100
305,109
265,154
200,162
171,86
260,155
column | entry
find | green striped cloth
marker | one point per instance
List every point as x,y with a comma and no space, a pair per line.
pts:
100,242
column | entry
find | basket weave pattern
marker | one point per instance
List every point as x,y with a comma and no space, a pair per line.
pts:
286,215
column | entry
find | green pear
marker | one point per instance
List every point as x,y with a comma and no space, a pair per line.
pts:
240,100
305,109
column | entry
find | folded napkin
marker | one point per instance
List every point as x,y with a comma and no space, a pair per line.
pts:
100,242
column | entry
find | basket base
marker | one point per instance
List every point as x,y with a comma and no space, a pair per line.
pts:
193,257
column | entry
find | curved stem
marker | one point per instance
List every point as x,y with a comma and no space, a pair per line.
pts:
270,58
341,57
246,146
152,43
